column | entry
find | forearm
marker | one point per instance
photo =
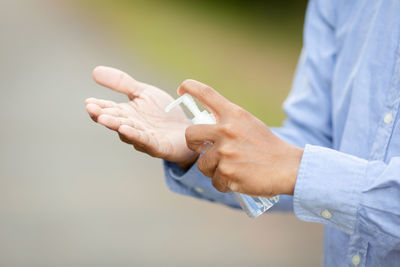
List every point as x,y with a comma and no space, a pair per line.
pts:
349,193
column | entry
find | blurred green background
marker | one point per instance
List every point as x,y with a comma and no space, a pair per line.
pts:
71,194
247,50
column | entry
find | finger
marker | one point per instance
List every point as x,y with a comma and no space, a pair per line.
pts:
112,122
124,139
210,98
219,186
141,141
220,182
129,142
197,135
135,136
116,112
117,80
101,103
94,111
208,162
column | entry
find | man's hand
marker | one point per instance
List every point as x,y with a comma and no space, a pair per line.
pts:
246,156
142,121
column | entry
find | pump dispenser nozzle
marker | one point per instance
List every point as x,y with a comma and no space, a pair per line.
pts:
200,117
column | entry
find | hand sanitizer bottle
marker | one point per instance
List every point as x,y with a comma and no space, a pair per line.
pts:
253,206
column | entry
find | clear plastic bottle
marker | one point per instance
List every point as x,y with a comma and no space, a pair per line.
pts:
253,206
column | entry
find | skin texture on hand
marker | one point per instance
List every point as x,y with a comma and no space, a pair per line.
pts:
142,121
246,156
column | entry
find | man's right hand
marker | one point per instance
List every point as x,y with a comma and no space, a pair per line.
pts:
142,121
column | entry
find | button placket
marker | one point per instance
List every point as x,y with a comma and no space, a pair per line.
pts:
384,132
357,251
382,138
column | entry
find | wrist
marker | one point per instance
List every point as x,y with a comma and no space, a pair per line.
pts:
293,166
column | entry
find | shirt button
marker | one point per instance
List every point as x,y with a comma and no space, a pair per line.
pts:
388,118
355,260
199,190
326,214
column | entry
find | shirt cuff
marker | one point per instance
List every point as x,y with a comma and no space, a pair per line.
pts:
328,187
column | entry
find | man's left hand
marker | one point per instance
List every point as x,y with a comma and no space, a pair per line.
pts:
246,156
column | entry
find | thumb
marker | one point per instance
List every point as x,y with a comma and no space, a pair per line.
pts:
211,99
117,80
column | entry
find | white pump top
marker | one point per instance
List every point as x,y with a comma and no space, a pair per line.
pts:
200,117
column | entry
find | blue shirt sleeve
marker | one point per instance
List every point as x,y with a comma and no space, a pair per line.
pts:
350,193
195,184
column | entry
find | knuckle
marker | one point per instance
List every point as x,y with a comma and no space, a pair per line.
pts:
205,166
202,163
225,170
225,151
226,129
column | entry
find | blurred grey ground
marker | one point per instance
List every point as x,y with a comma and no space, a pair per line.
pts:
72,195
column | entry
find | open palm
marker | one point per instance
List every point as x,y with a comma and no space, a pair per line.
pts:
142,121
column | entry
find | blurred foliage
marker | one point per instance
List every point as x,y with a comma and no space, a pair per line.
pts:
247,50
283,17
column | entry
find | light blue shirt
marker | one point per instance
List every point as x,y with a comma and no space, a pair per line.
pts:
343,109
